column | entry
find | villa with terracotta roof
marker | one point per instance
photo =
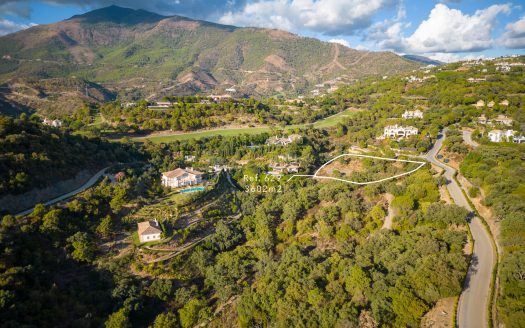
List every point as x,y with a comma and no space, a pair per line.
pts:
149,231
182,177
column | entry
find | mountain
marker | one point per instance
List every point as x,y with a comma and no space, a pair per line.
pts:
137,54
423,60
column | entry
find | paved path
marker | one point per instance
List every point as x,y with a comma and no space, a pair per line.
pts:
474,300
467,136
70,194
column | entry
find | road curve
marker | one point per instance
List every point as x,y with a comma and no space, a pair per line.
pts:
467,136
475,298
70,194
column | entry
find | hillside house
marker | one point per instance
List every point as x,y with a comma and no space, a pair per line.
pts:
182,177
504,102
480,103
278,169
518,139
491,104
502,119
408,114
149,231
500,136
395,131
161,105
483,120
221,98
284,141
55,123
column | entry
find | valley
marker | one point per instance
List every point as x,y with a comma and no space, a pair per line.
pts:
248,177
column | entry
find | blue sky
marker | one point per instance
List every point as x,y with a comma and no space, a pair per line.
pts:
445,30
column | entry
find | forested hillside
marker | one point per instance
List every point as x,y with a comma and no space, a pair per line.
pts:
34,155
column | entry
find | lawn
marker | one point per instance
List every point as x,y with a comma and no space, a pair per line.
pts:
321,124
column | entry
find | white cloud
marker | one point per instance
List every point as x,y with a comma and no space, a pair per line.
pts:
514,36
329,17
452,57
445,30
7,26
340,41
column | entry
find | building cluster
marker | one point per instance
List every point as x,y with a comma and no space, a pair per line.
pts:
182,177
413,78
161,105
398,131
283,168
283,141
55,123
476,79
412,114
505,136
480,103
500,119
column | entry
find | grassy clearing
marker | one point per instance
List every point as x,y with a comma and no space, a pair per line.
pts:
321,124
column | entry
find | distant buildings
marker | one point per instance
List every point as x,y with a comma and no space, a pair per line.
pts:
412,114
278,169
500,119
182,177
221,98
476,80
284,141
161,104
504,102
149,231
395,131
56,123
501,136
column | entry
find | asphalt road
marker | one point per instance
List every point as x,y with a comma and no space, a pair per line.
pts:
467,136
474,300
70,194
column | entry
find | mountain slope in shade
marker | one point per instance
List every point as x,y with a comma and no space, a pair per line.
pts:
135,53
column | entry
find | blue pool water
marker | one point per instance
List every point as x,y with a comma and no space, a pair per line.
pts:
193,189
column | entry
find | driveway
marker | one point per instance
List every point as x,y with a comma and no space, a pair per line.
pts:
474,300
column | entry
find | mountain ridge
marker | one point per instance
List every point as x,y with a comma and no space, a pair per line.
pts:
135,53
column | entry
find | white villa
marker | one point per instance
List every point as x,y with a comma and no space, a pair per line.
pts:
55,123
412,114
161,104
182,177
149,231
501,136
283,140
519,139
395,131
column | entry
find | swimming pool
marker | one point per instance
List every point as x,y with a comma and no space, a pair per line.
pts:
194,189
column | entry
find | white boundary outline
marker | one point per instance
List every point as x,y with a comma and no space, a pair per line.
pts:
315,176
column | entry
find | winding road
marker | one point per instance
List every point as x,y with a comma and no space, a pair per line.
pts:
70,194
475,299
467,136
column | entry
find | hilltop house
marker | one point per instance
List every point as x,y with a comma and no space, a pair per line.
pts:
483,119
278,169
284,141
412,114
149,231
182,177
395,131
500,136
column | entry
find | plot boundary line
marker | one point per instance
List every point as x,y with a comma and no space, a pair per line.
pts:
316,176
